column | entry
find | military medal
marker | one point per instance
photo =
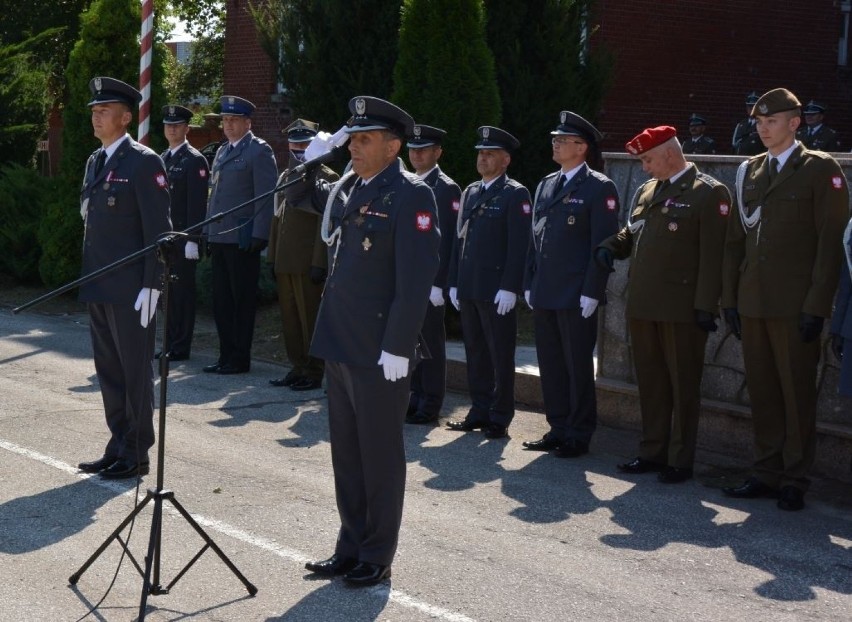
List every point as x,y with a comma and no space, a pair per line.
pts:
106,186
111,202
366,244
571,219
672,226
360,219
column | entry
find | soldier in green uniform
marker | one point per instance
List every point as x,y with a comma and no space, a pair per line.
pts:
782,259
746,141
675,237
698,142
815,135
299,261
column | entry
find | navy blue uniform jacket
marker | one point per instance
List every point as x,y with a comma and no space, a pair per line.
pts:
378,286
567,227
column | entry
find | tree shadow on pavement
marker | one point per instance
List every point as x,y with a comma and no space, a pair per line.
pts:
333,602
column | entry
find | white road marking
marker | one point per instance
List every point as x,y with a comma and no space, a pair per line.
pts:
270,546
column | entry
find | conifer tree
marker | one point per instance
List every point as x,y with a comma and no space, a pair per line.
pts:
544,65
444,76
328,52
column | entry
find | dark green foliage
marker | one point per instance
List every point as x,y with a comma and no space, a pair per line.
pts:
330,51
542,69
22,196
445,76
60,233
24,101
204,74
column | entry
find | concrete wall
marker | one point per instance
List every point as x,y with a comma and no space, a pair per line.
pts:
726,422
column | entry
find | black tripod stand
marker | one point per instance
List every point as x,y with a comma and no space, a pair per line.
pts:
151,572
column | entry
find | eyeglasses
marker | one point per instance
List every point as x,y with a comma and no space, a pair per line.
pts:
560,140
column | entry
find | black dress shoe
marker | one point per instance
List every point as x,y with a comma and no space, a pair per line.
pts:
228,369
211,369
751,489
639,465
419,417
365,574
572,448
466,425
306,384
495,430
121,469
287,380
792,499
333,566
95,466
178,356
545,443
674,475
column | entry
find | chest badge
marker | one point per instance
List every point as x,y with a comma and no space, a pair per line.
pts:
672,226
366,244
111,202
571,219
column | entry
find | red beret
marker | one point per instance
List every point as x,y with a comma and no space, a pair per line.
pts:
650,138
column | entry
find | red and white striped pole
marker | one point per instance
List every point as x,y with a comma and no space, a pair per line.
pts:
145,70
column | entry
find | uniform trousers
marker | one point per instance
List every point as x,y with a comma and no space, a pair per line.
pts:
781,373
365,420
489,346
181,322
123,353
669,362
565,345
234,278
429,379
299,300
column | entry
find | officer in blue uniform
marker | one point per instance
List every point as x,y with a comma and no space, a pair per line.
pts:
698,142
429,379
486,277
380,223
244,168
125,206
841,319
188,177
575,209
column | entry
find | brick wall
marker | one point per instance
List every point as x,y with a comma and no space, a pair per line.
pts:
678,57
673,58
250,73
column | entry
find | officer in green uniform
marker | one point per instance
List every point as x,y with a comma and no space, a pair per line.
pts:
675,237
782,259
746,141
299,261
698,142
815,135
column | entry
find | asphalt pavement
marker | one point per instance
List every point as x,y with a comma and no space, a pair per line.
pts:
490,533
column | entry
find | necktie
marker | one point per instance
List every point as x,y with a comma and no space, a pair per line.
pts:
661,186
168,157
99,162
559,184
773,169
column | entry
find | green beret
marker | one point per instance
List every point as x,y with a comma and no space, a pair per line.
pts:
776,100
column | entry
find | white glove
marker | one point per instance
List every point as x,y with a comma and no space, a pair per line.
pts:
146,304
190,251
587,306
454,297
436,297
527,298
395,367
324,142
505,301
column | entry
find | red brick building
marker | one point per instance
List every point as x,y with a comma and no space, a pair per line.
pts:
671,59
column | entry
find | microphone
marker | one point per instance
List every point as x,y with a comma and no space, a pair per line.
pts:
335,154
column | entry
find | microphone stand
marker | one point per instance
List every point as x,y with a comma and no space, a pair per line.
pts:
151,573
